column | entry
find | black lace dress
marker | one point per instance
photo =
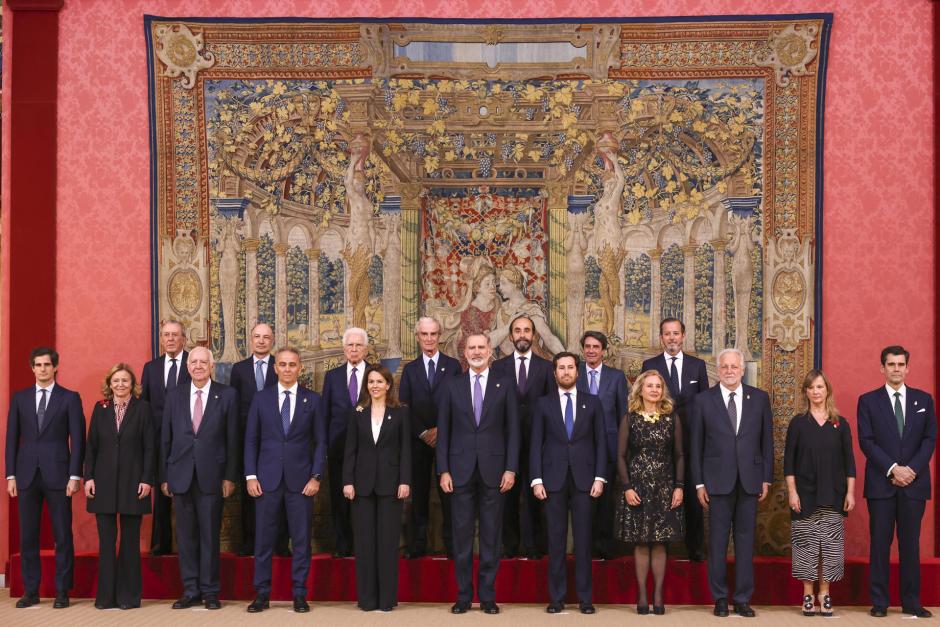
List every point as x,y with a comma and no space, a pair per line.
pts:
650,461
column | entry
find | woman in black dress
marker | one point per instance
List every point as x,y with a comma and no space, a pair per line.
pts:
377,479
819,466
119,474
651,469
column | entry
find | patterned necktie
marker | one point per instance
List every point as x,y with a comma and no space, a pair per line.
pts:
285,412
171,377
733,412
899,412
593,389
353,387
477,399
522,375
430,372
673,378
197,412
569,416
41,410
120,409
259,375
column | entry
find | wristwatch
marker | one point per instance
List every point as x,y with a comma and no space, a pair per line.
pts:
317,477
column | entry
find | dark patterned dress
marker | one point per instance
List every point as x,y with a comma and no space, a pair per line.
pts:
650,461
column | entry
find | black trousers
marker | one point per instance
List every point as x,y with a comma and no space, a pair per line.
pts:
884,515
60,512
339,505
605,508
732,513
377,521
694,515
198,530
161,534
523,520
119,579
467,501
423,475
557,506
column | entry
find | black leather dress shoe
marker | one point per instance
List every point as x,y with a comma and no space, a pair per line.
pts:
460,607
129,606
555,608
185,602
489,607
878,612
533,555
919,612
301,605
259,605
61,601
28,600
697,556
212,603
415,555
246,551
586,608
721,607
744,609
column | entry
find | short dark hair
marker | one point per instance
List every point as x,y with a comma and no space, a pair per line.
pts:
894,350
562,355
597,335
285,349
39,351
521,317
668,320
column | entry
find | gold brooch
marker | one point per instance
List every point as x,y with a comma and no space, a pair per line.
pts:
650,417
359,408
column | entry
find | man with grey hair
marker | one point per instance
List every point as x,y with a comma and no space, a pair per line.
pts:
422,381
341,389
732,469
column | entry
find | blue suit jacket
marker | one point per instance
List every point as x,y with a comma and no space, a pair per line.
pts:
540,380
243,380
693,381
57,451
552,453
295,457
612,391
336,401
212,452
493,446
422,399
718,456
883,446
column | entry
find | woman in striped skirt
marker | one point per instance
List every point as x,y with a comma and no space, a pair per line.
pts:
820,471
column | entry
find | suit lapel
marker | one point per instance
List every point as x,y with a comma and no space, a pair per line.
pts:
51,405
466,393
910,412
580,415
270,377
888,408
384,428
720,404
491,387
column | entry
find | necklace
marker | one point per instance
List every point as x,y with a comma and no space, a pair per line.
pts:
650,416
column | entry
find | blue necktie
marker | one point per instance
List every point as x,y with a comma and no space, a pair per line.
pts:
41,410
594,382
285,412
431,373
259,375
477,400
171,376
569,416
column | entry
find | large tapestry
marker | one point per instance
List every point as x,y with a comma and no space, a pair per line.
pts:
593,174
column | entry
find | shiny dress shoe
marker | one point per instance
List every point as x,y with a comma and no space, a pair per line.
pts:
28,600
919,612
460,607
61,601
642,610
586,608
555,608
104,606
129,606
185,602
697,556
385,609
212,603
415,555
301,605
744,609
878,612
721,607
534,554
489,607
259,605
659,610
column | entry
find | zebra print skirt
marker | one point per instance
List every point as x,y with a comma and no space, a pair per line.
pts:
818,539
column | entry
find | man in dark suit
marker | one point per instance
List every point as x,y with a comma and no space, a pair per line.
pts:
44,453
158,378
285,451
685,376
198,469
420,388
732,469
533,377
610,386
249,377
478,458
567,465
341,388
897,432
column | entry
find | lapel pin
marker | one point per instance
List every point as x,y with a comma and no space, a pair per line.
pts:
389,417
305,400
497,385
747,397
915,403
216,397
443,369
583,406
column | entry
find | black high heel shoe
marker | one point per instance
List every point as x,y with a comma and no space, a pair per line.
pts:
659,610
642,610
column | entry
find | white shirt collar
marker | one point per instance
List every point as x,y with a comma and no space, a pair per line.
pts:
902,390
588,369
669,357
725,392
47,389
573,391
517,355
292,389
193,387
483,374
436,357
178,358
255,359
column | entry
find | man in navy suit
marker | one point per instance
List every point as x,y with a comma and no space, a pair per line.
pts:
44,453
198,468
159,377
341,388
533,377
685,376
610,386
285,451
478,459
249,377
732,469
567,465
897,432
420,389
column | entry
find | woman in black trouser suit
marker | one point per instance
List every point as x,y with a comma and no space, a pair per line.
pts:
119,474
377,478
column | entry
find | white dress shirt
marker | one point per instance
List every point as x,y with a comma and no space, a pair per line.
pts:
679,359
903,392
48,390
376,428
528,363
588,370
192,397
563,400
167,364
264,365
473,378
280,400
360,370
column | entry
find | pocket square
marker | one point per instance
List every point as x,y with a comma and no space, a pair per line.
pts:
922,410
694,381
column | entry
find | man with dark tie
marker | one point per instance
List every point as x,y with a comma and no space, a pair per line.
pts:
685,376
567,466
897,432
422,381
477,458
44,453
341,388
533,377
732,469
610,386
198,469
158,378
249,377
285,451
